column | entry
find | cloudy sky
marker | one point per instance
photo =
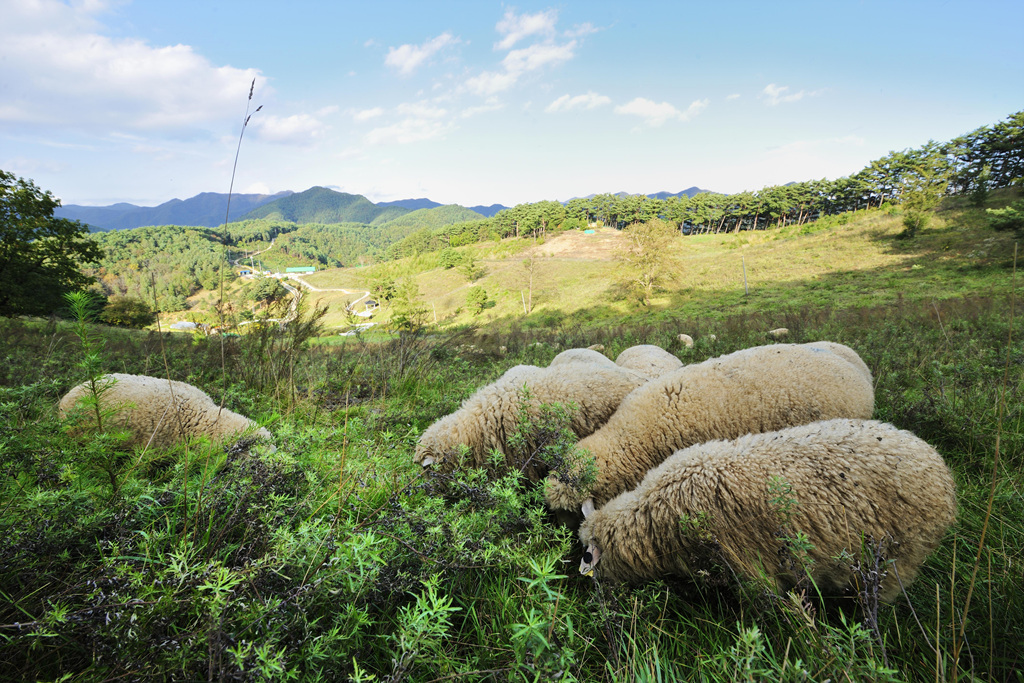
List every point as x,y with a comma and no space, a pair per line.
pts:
480,102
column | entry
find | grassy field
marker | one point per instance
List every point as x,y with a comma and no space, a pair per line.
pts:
852,260
336,558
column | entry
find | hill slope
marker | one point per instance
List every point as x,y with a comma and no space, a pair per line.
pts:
321,205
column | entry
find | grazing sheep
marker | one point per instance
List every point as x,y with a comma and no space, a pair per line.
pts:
489,416
581,356
160,412
649,360
686,339
759,389
779,332
726,507
596,347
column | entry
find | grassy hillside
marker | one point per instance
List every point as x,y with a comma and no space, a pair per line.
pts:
839,262
336,558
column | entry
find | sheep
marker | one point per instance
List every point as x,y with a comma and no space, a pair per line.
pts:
686,340
779,332
581,356
161,412
732,506
649,360
596,347
847,353
486,418
759,389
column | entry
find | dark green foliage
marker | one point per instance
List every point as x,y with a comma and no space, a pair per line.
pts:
476,299
127,311
40,256
1008,218
321,205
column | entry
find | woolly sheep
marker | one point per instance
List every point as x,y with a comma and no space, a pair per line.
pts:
779,332
581,356
487,417
649,360
732,504
686,339
160,412
847,353
596,347
759,389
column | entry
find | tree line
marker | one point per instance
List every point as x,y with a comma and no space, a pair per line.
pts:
973,164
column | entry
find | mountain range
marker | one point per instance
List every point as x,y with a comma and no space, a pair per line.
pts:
315,205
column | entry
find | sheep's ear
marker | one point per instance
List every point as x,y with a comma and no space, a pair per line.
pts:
427,461
588,507
590,558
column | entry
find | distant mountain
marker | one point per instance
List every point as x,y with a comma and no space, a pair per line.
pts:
412,204
488,211
206,210
321,205
689,192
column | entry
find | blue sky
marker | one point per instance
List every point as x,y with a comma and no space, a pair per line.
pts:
487,102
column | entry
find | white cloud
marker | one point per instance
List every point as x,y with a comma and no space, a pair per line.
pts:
591,100
734,96
421,110
537,56
519,62
299,129
580,30
777,94
407,58
367,114
491,82
491,105
514,27
59,69
657,114
405,132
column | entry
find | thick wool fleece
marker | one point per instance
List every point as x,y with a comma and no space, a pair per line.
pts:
489,416
649,360
851,356
755,390
855,484
162,412
581,356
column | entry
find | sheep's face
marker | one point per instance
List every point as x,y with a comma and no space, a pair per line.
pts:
590,559
426,456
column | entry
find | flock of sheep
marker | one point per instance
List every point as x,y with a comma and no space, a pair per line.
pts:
763,462
722,465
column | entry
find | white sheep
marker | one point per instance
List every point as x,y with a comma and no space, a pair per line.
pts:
489,416
686,340
649,360
779,332
851,356
727,508
758,389
581,356
161,412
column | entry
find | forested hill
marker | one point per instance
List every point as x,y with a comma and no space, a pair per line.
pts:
205,210
321,205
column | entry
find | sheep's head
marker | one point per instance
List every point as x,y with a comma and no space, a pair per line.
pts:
590,559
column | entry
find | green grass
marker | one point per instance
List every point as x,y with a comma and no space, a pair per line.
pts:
334,558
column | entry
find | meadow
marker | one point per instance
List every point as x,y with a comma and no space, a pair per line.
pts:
335,557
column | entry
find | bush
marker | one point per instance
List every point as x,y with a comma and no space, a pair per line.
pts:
127,311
